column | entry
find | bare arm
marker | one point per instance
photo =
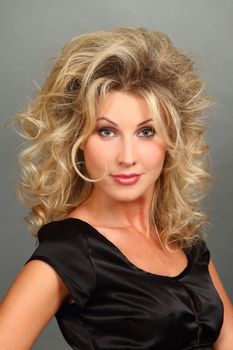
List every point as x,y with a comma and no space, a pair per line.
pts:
225,339
31,301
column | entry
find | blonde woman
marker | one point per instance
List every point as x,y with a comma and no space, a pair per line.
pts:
114,173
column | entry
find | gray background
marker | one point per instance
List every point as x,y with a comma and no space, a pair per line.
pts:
33,31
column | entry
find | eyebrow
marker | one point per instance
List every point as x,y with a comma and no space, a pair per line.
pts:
112,122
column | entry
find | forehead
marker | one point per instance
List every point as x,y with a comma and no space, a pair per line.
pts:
119,105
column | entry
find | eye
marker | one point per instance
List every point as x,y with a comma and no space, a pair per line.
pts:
147,132
106,132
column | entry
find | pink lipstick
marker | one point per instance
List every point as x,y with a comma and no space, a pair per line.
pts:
126,179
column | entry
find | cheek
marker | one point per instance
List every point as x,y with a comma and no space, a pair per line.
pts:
95,155
153,155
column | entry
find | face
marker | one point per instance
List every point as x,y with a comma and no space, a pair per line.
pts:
125,146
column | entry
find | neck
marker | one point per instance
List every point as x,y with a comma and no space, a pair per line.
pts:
125,214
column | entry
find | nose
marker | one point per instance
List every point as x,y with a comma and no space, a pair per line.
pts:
126,156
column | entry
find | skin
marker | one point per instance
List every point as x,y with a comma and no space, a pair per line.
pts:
125,144
125,148
37,291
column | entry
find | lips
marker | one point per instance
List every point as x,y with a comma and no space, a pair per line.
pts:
126,179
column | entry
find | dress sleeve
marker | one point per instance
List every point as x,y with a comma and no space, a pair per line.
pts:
201,253
65,248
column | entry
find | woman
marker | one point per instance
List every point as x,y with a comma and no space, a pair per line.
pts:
114,175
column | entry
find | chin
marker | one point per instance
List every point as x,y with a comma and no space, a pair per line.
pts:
125,196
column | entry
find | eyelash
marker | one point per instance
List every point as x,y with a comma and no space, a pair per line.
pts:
109,129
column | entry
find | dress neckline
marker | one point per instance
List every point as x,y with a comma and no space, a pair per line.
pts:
126,260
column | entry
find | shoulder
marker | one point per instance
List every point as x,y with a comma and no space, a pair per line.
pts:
64,246
225,339
61,230
199,252
63,242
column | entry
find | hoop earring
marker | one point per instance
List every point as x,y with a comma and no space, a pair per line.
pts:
80,162
83,176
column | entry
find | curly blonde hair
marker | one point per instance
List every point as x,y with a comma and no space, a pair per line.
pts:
63,115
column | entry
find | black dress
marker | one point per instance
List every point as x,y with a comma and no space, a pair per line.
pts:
120,306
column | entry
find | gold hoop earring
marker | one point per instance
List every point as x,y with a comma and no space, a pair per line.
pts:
83,176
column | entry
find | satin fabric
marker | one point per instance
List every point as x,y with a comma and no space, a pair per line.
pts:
117,305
